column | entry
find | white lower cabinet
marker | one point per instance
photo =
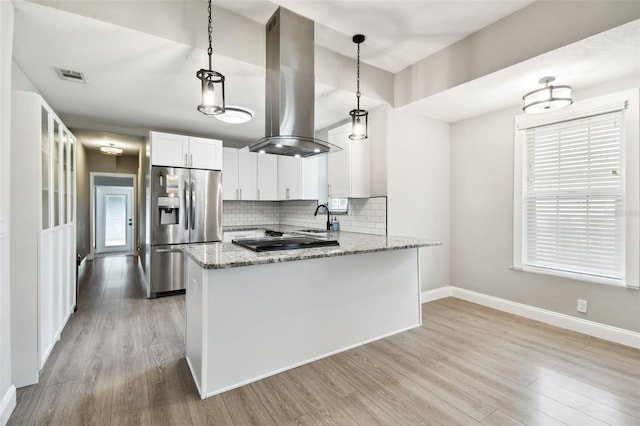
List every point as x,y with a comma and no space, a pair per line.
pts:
43,234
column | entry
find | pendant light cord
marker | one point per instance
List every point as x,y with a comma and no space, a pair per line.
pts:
358,79
210,29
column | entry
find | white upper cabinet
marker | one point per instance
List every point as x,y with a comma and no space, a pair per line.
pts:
267,177
205,153
298,178
185,151
349,170
229,174
247,175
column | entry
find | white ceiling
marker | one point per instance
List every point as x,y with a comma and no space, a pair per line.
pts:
399,33
138,81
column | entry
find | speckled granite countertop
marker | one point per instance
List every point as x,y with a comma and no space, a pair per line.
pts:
228,255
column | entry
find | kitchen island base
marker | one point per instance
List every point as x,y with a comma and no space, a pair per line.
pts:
247,323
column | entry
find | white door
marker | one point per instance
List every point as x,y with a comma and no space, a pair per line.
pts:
114,219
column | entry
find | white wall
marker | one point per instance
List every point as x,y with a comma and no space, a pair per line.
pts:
20,81
7,390
418,189
481,225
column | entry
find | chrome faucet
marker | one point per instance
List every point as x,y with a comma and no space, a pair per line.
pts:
328,215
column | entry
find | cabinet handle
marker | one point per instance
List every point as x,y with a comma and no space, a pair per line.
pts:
185,160
191,160
329,189
241,193
287,196
258,194
237,194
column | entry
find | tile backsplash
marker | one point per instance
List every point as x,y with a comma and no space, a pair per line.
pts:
247,213
366,215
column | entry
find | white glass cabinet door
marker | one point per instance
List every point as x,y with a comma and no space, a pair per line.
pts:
44,166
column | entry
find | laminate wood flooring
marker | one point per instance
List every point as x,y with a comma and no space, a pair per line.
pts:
121,362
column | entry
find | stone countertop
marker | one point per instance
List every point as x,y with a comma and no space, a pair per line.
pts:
228,255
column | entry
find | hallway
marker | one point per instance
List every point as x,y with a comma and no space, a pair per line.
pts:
120,361
119,354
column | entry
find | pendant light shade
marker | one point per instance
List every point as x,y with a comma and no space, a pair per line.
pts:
548,98
212,83
359,117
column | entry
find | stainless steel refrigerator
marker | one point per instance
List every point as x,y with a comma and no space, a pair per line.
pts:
186,207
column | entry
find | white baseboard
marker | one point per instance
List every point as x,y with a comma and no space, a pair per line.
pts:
591,328
7,405
435,294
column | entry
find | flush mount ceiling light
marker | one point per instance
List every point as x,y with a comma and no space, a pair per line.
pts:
212,83
111,149
235,115
359,116
548,98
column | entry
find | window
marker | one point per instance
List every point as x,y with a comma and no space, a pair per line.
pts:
576,192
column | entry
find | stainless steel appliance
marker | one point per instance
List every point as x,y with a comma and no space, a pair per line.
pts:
186,207
284,243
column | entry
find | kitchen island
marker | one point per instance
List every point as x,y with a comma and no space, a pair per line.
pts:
251,315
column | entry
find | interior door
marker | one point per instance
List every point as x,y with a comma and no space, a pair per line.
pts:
114,219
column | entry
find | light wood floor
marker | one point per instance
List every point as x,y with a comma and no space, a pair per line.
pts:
120,361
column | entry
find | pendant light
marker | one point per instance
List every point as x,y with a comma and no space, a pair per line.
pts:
548,98
359,116
212,84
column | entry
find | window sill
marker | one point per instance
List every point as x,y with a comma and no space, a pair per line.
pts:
573,276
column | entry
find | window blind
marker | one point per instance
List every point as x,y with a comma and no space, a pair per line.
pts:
574,196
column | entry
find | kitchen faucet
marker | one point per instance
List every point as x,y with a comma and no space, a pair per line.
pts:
328,214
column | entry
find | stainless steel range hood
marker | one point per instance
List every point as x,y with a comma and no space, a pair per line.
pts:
290,90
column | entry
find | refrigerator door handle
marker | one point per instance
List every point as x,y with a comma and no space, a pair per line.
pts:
186,207
193,205
169,251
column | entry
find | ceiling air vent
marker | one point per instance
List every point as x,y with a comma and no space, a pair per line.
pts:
69,75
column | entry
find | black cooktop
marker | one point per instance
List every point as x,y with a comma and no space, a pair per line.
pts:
283,243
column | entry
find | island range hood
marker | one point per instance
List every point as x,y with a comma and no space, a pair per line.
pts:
290,89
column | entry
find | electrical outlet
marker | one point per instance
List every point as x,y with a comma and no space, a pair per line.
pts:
582,306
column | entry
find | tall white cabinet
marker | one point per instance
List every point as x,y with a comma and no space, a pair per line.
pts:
43,233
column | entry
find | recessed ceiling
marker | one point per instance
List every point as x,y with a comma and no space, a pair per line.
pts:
595,60
399,33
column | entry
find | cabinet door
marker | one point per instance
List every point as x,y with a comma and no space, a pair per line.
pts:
169,150
267,177
339,163
205,153
72,179
64,177
229,174
289,178
45,148
310,168
55,151
247,175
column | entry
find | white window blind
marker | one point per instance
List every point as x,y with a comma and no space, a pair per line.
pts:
573,196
